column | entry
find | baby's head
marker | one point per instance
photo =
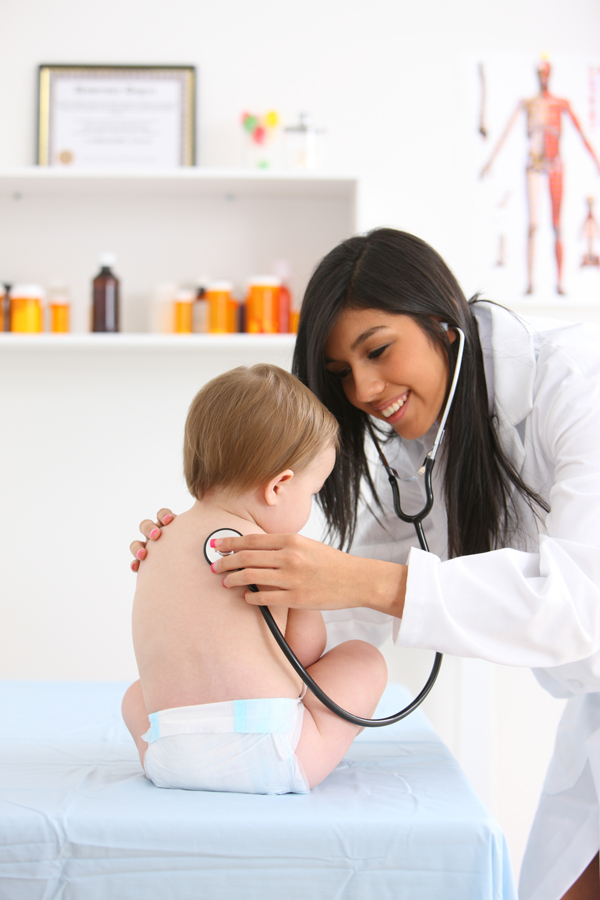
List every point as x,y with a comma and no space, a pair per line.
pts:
260,429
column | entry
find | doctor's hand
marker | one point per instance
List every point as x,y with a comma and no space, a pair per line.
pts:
152,531
297,572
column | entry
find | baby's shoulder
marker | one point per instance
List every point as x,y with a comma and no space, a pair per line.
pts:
179,540
190,532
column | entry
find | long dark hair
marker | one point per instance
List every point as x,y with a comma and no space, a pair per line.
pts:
398,273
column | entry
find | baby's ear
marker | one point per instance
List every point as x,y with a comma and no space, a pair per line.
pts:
274,490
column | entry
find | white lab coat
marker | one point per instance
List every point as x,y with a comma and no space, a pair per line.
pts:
535,604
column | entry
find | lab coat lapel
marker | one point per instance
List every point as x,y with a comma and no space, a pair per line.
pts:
514,363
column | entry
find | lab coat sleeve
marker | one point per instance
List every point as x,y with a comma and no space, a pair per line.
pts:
538,609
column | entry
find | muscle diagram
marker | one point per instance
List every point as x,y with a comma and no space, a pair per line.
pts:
544,115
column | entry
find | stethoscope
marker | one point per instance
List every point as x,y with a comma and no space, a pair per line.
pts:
426,470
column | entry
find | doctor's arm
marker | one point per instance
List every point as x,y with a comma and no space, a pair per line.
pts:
306,574
299,572
538,608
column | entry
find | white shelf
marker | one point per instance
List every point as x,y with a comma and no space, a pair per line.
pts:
222,343
167,227
195,180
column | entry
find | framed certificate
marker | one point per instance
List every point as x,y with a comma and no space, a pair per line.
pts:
116,117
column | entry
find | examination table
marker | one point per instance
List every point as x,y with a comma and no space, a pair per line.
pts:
79,821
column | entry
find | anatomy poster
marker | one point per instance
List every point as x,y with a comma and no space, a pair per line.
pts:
533,158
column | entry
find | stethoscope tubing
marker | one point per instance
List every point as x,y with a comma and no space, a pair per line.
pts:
312,685
417,522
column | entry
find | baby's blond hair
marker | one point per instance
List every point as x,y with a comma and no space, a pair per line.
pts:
248,425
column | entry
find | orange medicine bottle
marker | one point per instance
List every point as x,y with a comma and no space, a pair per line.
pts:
60,308
281,269
221,306
26,308
262,305
183,308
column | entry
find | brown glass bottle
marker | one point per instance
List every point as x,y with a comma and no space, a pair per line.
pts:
105,307
5,307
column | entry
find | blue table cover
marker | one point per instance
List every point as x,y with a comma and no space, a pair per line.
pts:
79,821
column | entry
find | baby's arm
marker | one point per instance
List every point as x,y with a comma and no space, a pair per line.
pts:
306,634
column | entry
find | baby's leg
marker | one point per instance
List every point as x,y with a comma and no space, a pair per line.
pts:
306,634
354,674
135,716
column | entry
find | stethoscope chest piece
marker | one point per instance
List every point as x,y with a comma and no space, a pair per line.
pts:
211,555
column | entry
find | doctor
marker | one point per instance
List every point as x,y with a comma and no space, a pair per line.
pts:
514,576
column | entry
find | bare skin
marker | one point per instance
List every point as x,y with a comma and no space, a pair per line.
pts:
381,358
197,643
187,629
298,571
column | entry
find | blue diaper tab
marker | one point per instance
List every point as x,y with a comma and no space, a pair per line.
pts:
153,732
271,715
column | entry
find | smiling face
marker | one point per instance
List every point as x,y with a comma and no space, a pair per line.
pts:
389,368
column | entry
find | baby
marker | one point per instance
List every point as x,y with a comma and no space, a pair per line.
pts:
218,707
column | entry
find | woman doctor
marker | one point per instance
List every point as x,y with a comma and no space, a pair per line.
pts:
514,573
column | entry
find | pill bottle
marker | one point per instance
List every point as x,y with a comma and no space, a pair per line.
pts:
220,307
201,305
59,307
281,269
183,311
233,316
161,307
262,305
4,307
105,305
26,308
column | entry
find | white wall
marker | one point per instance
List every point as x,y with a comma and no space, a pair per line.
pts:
91,443
387,80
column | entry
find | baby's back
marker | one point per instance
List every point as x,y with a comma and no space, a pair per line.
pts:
196,641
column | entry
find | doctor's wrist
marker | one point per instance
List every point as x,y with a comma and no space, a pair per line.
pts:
387,587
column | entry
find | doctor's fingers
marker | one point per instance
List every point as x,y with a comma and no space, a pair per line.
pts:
153,530
165,516
273,598
258,542
249,559
137,549
265,577
150,529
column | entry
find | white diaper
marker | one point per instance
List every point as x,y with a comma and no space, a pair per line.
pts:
247,746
